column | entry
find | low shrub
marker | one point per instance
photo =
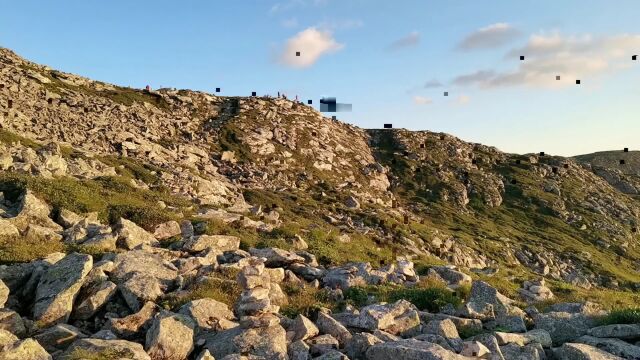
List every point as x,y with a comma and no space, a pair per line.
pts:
305,300
622,316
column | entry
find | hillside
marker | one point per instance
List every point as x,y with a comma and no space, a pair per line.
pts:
82,160
619,168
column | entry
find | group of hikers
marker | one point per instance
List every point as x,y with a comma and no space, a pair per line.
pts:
280,96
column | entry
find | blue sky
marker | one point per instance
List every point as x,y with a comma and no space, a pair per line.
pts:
377,55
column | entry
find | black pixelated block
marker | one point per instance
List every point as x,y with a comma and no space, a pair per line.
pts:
557,77
446,93
621,162
297,53
521,57
421,146
474,161
577,82
541,153
626,149
634,57
514,181
555,170
405,153
388,126
518,161
566,166
441,137
217,89
393,161
253,93
309,102
334,117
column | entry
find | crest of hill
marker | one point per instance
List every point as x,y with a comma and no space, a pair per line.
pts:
427,195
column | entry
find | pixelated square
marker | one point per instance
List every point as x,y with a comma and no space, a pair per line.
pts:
334,117
309,102
621,162
514,181
388,126
634,57
626,149
521,57
446,93
541,153
422,146
577,82
518,161
217,89
566,166
253,93
557,77
297,53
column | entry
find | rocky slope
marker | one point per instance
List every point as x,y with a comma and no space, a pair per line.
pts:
164,199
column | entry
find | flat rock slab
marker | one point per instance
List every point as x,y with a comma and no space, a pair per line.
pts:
58,288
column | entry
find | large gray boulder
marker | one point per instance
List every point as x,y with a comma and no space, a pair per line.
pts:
575,351
269,342
539,336
96,297
170,337
131,235
215,242
563,326
277,257
303,328
143,262
359,343
451,275
139,289
58,288
399,318
620,331
410,349
167,230
27,349
329,325
88,348
58,337
612,346
533,351
209,314
486,303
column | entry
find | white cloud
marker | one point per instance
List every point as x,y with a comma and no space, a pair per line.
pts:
412,39
421,100
548,55
489,37
312,44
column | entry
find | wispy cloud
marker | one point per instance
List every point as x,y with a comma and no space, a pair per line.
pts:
433,83
463,100
489,37
337,24
410,40
421,100
283,6
289,23
549,55
312,44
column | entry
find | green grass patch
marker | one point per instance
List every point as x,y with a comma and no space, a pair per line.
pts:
305,300
111,197
621,316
